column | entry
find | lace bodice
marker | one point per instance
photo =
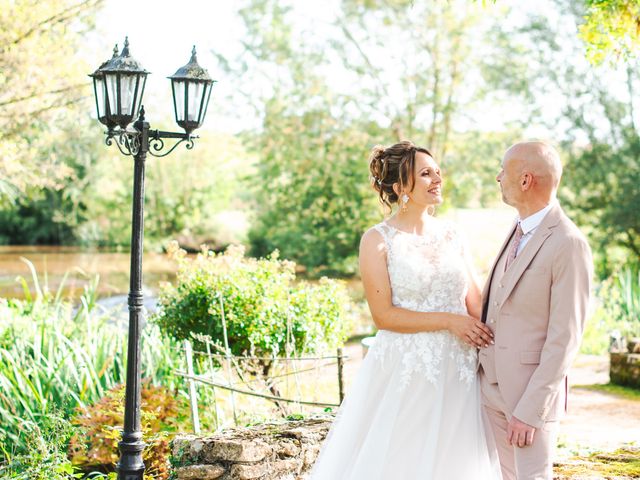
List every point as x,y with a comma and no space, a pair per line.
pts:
427,274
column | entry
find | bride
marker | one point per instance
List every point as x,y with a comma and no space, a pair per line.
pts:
414,411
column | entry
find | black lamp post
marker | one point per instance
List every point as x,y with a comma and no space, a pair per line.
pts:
118,87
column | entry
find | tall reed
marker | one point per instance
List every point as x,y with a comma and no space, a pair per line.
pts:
57,358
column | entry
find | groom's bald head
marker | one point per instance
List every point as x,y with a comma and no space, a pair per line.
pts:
530,175
540,160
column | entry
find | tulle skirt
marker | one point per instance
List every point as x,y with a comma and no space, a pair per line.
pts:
413,412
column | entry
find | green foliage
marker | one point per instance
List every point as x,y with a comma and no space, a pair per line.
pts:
611,30
41,89
45,456
471,168
48,149
95,444
602,193
267,312
618,310
595,340
185,193
621,296
312,194
54,358
314,200
58,182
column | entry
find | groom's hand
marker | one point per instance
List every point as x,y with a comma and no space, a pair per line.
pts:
519,433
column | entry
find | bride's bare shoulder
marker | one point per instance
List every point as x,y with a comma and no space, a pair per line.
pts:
372,239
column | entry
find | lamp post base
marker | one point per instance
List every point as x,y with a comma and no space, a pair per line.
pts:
131,466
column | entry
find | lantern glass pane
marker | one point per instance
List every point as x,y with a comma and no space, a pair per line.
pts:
207,94
111,91
100,96
128,89
136,109
195,99
179,87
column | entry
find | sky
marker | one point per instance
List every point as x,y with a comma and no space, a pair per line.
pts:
162,32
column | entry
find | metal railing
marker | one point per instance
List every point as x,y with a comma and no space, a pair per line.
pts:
245,386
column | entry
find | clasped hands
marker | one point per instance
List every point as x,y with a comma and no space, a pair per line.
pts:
471,331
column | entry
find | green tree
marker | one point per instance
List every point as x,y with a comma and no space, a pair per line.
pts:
45,169
313,199
40,87
591,112
185,194
605,198
51,211
611,29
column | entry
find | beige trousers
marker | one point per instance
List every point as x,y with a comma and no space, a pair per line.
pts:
533,462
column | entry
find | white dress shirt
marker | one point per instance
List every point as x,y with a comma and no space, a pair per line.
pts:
530,224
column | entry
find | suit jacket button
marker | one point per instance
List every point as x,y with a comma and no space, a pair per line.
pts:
495,304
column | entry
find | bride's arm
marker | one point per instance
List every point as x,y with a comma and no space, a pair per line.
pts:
386,316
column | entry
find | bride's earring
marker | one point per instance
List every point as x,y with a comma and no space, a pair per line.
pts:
431,210
405,200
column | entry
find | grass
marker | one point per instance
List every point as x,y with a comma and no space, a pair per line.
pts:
628,393
55,358
624,463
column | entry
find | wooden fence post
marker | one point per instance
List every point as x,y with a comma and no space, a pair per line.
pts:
340,375
193,395
228,357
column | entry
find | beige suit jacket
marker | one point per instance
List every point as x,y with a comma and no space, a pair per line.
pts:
538,311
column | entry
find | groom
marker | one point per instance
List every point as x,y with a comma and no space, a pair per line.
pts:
535,302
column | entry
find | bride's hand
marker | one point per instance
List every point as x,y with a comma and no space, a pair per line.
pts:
470,330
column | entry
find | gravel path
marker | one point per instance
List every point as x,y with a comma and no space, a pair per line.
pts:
597,420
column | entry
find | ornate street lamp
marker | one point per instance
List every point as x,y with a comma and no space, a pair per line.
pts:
119,86
191,86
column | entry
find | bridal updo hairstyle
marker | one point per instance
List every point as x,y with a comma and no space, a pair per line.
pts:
391,165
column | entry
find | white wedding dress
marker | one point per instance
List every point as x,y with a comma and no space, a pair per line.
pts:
413,412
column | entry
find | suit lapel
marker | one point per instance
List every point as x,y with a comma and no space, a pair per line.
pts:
487,285
522,261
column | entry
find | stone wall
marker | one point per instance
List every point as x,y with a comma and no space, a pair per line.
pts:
287,450
282,451
625,369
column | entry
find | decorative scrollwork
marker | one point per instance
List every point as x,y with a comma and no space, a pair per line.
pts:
128,141
156,144
132,141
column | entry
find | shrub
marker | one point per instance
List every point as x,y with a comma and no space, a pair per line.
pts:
618,311
268,313
95,446
621,297
47,452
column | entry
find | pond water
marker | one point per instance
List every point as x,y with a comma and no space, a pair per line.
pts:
80,265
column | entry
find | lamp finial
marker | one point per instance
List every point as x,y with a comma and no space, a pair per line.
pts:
125,50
